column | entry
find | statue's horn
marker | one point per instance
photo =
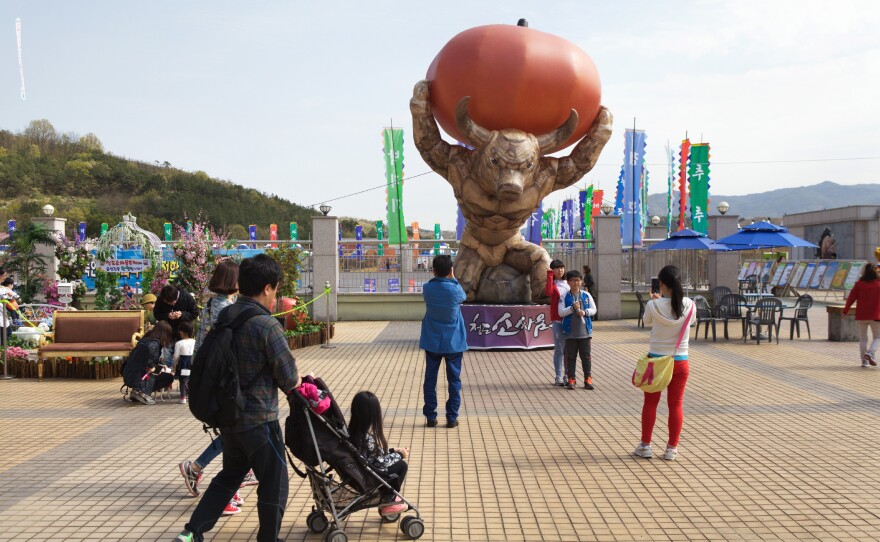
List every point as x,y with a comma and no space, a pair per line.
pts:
474,134
554,140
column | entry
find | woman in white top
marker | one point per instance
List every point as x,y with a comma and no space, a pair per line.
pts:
667,313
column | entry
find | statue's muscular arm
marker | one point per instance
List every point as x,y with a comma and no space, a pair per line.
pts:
437,153
585,154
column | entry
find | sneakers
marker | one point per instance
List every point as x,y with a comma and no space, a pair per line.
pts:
588,383
184,536
249,479
570,384
230,510
870,359
397,507
191,477
141,397
431,423
643,451
183,400
237,500
671,454
865,362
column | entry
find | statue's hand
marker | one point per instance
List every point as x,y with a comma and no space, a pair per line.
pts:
420,104
601,128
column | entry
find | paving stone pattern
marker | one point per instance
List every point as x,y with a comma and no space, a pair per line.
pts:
779,443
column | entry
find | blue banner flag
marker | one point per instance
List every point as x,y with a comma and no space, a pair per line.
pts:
534,225
81,232
633,165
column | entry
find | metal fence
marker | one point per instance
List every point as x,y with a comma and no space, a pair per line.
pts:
574,253
371,266
639,265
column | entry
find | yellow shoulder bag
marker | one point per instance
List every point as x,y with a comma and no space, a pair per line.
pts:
654,374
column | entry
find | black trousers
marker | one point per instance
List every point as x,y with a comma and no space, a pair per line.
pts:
261,449
573,347
399,469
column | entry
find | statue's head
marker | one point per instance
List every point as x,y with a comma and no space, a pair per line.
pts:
507,160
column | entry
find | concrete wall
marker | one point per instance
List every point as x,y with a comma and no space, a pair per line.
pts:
866,228
395,307
723,266
607,270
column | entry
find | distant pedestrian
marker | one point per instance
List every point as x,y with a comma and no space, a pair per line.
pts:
589,283
557,288
443,336
866,295
668,312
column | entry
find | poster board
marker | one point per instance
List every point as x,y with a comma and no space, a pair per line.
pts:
797,274
786,273
752,266
818,274
808,274
840,275
854,273
743,271
830,271
777,276
765,270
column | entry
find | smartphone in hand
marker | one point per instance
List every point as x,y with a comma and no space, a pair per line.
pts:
655,285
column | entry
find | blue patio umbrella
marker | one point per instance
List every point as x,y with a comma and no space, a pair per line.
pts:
687,240
763,235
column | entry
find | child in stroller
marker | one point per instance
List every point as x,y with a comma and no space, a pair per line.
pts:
324,444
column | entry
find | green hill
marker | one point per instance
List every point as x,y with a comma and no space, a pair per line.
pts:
84,183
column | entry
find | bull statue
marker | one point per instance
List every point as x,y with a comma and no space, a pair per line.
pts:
498,185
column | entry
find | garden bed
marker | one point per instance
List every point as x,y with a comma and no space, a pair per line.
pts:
296,339
76,368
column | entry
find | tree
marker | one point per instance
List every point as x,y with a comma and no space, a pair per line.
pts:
42,133
23,260
91,142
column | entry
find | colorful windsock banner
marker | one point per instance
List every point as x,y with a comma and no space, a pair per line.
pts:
81,232
535,225
393,151
380,235
294,231
670,178
684,155
698,181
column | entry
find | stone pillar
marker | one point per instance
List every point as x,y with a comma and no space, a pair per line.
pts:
325,261
606,238
723,266
58,225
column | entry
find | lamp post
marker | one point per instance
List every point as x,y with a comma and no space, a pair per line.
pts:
655,220
325,209
607,208
723,207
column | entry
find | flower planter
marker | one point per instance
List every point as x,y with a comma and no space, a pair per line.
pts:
62,368
305,340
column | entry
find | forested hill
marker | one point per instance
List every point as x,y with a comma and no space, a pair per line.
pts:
84,183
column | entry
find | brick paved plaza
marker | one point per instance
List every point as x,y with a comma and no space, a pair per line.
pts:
778,444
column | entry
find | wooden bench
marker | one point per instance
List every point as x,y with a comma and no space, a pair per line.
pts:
89,334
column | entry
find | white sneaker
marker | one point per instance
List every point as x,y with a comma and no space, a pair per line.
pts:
671,454
643,451
865,363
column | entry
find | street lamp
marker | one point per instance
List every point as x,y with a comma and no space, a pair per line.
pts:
723,207
48,210
325,209
655,220
607,208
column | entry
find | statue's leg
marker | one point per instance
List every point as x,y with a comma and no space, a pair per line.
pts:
468,268
531,260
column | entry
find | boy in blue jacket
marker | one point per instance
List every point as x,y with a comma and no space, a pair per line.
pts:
443,336
576,309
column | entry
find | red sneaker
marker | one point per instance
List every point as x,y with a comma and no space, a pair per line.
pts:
230,510
397,507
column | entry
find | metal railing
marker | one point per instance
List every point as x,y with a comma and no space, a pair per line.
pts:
639,265
574,253
401,268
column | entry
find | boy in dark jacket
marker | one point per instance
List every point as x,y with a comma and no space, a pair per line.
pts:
175,306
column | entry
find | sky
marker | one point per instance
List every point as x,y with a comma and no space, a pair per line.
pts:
290,98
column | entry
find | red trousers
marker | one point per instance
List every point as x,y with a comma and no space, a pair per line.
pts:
675,399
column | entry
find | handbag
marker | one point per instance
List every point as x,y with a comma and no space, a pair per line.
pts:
654,374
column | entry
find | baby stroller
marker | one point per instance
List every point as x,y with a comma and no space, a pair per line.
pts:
321,442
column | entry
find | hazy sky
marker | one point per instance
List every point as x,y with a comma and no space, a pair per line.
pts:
291,97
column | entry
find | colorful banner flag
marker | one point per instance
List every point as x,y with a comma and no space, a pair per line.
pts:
459,224
415,229
698,182
582,213
339,229
380,235
81,232
633,164
294,231
393,150
535,225
598,195
670,177
359,247
618,199
437,235
11,226
273,233
252,234
167,229
587,210
570,220
189,226
683,157
643,214
104,228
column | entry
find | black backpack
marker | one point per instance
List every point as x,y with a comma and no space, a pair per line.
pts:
215,396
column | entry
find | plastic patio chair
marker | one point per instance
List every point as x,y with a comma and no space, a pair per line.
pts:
641,322
717,293
801,308
732,307
765,313
704,316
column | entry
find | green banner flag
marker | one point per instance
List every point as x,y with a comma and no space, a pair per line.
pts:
588,214
437,235
104,228
167,228
393,151
698,181
294,232
380,235
189,226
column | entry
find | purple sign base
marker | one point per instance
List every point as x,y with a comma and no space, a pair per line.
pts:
507,326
